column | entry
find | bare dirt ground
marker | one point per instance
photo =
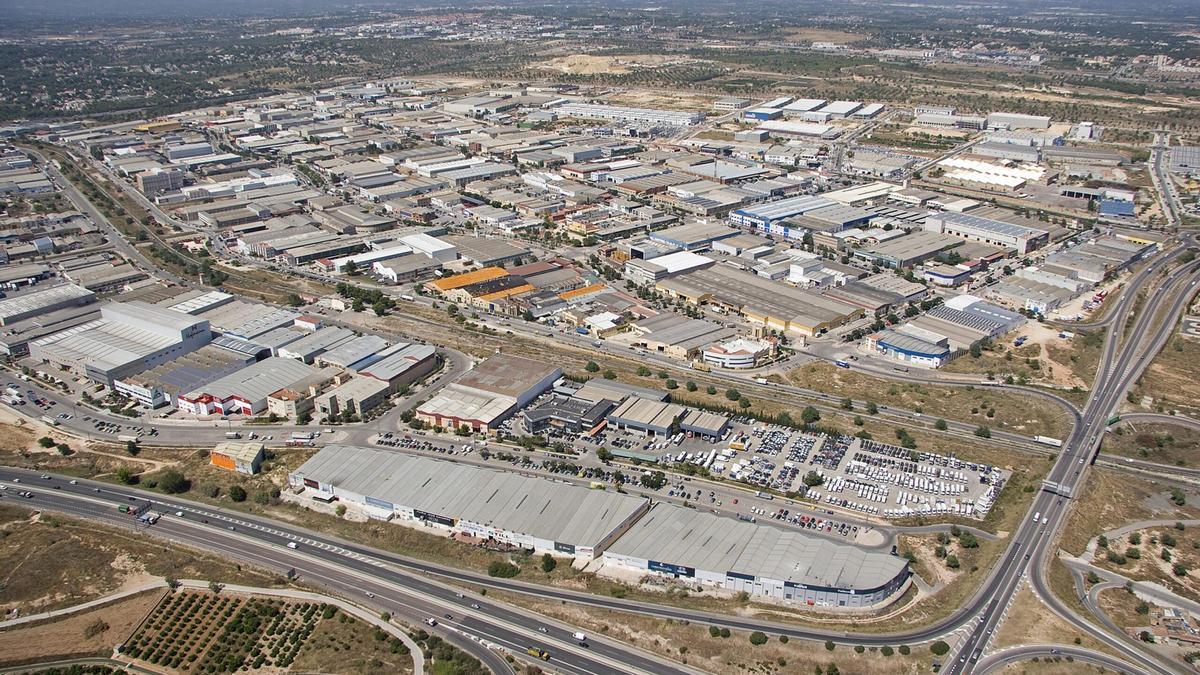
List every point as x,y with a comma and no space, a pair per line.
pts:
1030,622
824,35
587,64
88,633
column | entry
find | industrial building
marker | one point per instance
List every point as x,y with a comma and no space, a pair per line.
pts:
988,231
35,303
568,413
245,391
242,457
486,505
692,545
649,417
918,351
737,353
906,251
128,338
636,116
693,236
400,365
761,301
489,393
665,266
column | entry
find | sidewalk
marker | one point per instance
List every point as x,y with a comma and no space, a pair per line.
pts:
80,607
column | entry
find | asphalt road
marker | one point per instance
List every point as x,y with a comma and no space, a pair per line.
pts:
1032,542
998,661
364,578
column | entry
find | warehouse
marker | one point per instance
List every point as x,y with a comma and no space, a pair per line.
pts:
576,415
761,301
493,507
704,424
160,385
811,129
693,236
678,336
244,457
309,348
988,231
640,116
246,320
245,391
762,560
401,365
909,349
349,354
358,396
737,353
486,251
665,266
840,109
999,120
651,418
489,393
908,250
26,305
766,216
127,339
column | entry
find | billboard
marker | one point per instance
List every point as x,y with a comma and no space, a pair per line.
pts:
668,568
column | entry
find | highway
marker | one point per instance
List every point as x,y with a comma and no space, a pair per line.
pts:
351,573
1000,660
1035,535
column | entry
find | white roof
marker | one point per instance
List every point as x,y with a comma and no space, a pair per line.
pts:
680,260
961,302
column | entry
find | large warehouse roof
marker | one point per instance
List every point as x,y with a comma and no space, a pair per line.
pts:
258,380
23,305
704,541
506,375
537,507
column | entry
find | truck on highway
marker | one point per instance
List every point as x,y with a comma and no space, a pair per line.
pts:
303,435
12,400
1046,440
128,438
764,495
49,420
841,364
1113,420
233,435
539,653
407,298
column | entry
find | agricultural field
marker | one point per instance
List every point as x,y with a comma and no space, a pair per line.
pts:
87,633
207,632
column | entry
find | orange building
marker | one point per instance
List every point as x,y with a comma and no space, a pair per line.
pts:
241,457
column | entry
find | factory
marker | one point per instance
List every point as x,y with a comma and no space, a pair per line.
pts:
245,391
738,353
242,457
127,339
489,393
693,236
904,252
488,506
927,351
770,217
39,302
636,116
761,301
994,232
646,416
691,545
641,271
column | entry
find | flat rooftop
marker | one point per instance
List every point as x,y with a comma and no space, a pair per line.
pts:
704,541
537,507
506,375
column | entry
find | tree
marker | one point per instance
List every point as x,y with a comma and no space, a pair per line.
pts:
733,394
610,375
711,390
758,638
262,497
968,540
357,305
810,415
744,403
847,403
126,475
592,367
952,561
983,432
63,449
172,482
691,386
503,570
976,350
46,442
872,409
643,371
237,493
672,384
340,510
940,425
829,645
548,563
939,648
131,447
813,479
